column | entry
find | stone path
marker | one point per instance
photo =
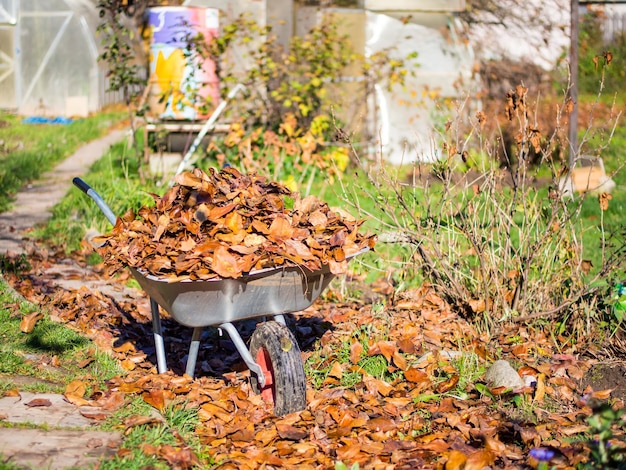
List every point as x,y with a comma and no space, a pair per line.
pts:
59,449
34,202
66,438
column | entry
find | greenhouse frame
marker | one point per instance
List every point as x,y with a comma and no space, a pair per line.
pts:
49,58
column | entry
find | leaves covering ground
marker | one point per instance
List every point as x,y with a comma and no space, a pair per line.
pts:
395,383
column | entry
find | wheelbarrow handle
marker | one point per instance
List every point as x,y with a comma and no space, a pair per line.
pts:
89,191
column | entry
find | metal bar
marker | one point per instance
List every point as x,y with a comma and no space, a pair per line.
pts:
206,128
573,91
17,45
45,14
6,17
193,351
10,69
244,352
280,319
158,337
47,56
92,193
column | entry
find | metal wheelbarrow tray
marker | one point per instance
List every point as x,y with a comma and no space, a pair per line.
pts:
273,356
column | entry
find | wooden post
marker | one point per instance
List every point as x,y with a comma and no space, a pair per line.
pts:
573,91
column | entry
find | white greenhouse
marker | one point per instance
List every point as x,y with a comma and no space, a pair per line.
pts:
49,58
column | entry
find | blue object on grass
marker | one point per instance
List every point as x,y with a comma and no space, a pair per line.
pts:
45,120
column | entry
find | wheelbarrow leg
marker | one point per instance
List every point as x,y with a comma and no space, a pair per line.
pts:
244,351
280,319
158,337
193,351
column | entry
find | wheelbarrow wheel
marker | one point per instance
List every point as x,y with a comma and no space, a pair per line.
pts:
276,351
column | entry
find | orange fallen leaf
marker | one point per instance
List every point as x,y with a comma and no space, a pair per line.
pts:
479,460
376,386
436,445
93,414
38,402
456,460
540,390
399,360
356,349
415,375
127,364
381,424
289,432
602,394
448,384
386,348
158,398
336,370
225,264
126,347
28,322
76,388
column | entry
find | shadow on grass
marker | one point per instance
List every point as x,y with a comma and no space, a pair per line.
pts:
54,338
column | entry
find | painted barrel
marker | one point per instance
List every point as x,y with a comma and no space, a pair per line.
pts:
183,86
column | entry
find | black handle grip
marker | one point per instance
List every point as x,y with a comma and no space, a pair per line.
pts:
80,184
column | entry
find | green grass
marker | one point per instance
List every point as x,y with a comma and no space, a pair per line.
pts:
25,354
614,219
176,417
29,150
115,178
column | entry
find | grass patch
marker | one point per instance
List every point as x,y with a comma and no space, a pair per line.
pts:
115,177
149,446
51,354
29,150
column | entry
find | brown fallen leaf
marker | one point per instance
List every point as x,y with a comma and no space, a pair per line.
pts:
139,420
96,415
158,398
85,362
28,322
289,432
456,460
356,348
76,388
38,402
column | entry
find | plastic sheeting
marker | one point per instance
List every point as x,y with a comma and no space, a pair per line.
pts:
407,117
49,57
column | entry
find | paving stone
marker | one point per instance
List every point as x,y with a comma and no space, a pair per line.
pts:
56,411
59,449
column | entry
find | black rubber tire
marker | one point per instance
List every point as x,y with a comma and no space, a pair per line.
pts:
281,351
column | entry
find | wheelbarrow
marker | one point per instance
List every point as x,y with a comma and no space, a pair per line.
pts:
273,356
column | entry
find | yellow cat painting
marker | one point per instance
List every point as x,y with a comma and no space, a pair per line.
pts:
168,76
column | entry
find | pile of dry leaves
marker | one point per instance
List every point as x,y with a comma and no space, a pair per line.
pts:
226,224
